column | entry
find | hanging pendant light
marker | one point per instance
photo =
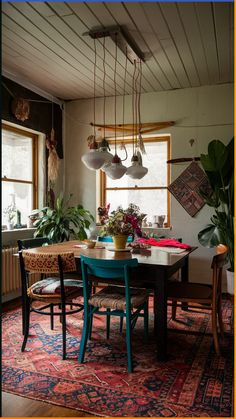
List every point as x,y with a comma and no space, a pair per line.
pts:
97,156
116,169
136,170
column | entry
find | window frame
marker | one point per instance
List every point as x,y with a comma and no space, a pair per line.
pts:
153,139
34,181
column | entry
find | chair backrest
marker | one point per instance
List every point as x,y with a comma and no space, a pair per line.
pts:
48,262
32,242
218,261
119,269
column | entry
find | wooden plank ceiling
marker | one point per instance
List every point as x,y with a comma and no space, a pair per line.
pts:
188,45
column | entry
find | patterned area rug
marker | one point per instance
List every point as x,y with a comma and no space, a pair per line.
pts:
194,381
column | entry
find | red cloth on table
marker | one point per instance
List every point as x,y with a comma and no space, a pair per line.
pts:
165,242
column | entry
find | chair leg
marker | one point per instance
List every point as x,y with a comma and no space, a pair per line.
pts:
51,317
174,308
63,317
27,322
214,331
108,323
90,323
121,323
145,318
220,320
128,343
84,337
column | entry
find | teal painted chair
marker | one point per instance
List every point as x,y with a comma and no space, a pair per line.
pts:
124,302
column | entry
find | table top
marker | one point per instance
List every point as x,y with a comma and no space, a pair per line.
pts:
153,256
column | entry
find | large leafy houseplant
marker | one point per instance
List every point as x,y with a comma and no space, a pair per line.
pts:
63,222
218,165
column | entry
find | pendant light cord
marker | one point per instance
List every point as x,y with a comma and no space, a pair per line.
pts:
123,118
115,88
104,88
139,96
133,104
136,107
94,88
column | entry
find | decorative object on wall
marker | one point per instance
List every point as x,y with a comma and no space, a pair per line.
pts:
186,188
53,160
20,108
39,118
192,141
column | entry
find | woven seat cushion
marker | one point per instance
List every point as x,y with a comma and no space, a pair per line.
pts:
51,287
114,298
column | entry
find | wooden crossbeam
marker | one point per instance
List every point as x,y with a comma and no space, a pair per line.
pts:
130,128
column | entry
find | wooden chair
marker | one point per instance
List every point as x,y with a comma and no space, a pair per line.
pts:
32,242
124,302
203,296
29,244
51,291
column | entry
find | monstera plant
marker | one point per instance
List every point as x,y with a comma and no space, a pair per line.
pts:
218,165
62,222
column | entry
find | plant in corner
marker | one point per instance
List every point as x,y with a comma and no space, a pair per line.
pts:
218,165
62,222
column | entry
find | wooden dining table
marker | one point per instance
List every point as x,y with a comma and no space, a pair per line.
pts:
155,268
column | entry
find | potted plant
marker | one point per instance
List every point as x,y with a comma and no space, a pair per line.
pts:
218,165
121,223
63,222
10,213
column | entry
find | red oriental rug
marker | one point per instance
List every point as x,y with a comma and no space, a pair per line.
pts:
194,381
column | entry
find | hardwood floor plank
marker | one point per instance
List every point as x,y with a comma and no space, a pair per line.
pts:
16,406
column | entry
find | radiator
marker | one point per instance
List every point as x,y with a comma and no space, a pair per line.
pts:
11,277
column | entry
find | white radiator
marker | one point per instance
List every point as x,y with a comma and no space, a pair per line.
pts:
11,276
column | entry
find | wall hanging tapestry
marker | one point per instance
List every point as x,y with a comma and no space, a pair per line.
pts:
194,382
186,188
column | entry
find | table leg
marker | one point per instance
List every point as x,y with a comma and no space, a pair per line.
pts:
185,278
160,316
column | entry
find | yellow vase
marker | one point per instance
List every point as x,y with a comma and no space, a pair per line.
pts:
120,241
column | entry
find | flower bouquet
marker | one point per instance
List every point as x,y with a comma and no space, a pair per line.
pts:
124,222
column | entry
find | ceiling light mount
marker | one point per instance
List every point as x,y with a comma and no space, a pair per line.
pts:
123,40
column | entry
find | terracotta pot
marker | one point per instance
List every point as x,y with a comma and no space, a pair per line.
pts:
120,241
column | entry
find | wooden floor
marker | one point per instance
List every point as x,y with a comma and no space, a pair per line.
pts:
16,406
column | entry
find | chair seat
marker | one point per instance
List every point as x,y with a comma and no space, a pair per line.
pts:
190,291
51,288
114,298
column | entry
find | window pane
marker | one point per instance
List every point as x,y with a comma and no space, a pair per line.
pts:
19,194
154,160
16,156
151,202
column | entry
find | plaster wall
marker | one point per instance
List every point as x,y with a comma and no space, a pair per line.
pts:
203,113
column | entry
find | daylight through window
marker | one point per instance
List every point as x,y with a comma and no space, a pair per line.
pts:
149,193
19,174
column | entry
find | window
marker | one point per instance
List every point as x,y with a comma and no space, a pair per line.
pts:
19,172
150,193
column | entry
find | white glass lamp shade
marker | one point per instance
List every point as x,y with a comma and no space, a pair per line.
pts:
108,156
136,170
116,169
95,159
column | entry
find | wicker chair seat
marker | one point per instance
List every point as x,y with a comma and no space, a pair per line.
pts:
114,298
49,288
